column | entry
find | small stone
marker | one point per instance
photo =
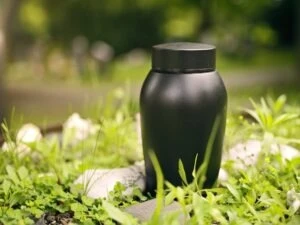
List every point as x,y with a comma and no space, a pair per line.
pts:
29,133
79,128
20,149
102,51
223,175
246,154
99,182
50,218
136,57
286,151
41,221
55,218
293,200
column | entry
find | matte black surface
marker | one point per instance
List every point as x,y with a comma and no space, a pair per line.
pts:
183,57
178,111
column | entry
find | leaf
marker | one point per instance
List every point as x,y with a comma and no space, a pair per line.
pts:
279,103
6,186
285,118
87,201
255,116
77,207
265,107
180,194
36,211
251,208
295,220
159,189
217,215
118,215
22,172
171,196
269,119
194,173
201,173
201,208
17,197
234,192
181,171
85,222
12,174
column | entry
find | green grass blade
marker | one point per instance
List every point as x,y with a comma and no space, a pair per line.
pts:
201,173
159,191
118,215
181,172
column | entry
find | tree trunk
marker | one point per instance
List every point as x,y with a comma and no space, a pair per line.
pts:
8,14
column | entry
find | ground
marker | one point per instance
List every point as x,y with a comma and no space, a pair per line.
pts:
52,103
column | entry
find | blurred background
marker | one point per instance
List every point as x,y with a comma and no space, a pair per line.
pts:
57,56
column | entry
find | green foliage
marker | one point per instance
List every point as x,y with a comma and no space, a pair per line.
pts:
273,118
117,215
156,218
234,24
34,18
106,20
42,181
267,114
181,22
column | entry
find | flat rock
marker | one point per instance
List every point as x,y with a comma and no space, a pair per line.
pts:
144,211
99,182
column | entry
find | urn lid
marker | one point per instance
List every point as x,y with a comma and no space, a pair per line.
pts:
183,57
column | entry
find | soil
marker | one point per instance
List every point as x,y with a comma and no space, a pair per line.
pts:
55,219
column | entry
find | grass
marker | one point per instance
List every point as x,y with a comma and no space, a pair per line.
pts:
262,59
100,102
42,180
120,70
